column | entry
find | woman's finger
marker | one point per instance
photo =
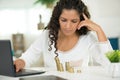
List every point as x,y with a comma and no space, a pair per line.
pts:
84,22
17,69
85,17
81,24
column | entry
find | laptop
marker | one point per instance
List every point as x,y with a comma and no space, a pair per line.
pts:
7,67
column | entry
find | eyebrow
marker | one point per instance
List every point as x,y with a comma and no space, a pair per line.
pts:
65,18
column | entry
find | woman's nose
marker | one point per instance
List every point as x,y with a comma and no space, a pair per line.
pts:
68,25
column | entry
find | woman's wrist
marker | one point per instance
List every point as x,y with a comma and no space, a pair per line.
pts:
101,35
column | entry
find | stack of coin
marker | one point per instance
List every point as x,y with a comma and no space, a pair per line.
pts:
58,64
69,68
78,71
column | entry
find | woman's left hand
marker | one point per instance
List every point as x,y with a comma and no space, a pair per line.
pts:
89,24
94,27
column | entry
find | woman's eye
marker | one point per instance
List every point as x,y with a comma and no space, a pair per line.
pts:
74,21
63,20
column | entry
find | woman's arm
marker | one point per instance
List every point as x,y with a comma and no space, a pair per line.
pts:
94,27
98,50
32,54
101,35
29,57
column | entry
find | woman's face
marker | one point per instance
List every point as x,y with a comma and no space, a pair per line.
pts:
69,20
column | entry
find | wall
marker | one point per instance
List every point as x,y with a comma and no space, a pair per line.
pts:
104,12
25,21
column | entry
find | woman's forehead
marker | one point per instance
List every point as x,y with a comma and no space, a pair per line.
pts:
70,13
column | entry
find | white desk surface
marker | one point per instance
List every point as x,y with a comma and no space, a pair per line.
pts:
91,73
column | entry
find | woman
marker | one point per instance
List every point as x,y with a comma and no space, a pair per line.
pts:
71,36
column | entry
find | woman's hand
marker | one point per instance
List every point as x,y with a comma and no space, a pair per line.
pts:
94,27
89,24
19,64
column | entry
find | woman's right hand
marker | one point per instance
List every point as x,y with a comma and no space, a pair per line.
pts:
19,64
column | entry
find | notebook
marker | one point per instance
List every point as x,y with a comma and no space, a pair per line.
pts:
6,62
46,77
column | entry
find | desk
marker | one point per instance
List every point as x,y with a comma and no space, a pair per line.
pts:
90,73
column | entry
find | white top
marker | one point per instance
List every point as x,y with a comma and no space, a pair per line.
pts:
86,48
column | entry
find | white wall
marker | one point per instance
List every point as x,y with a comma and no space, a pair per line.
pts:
104,12
24,20
107,14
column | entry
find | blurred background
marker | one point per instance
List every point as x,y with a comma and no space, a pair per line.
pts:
22,21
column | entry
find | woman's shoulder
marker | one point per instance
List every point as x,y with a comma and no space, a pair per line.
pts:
91,35
42,37
44,33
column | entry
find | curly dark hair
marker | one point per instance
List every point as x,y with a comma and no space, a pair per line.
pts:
54,25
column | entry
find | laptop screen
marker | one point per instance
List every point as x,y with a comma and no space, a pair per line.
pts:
6,62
